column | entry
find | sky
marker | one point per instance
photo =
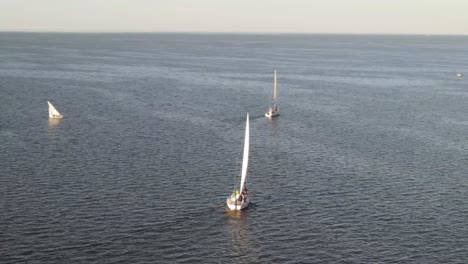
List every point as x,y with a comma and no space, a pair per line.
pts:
447,17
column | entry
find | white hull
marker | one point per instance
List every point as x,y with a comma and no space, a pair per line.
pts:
271,113
232,205
56,116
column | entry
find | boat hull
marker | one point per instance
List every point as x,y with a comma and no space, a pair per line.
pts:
56,117
270,115
232,205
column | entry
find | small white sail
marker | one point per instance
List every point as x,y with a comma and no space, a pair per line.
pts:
245,160
53,113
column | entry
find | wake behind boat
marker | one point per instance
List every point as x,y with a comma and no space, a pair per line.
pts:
274,109
53,113
239,199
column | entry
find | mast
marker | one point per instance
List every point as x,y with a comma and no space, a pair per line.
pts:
274,87
245,160
51,109
275,91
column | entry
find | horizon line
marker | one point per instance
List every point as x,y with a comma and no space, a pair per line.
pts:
229,33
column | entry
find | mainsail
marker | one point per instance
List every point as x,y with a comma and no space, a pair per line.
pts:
274,90
52,111
245,160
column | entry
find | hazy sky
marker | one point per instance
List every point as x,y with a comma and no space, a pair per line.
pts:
293,16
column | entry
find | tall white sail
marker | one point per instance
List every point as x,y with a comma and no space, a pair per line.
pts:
239,199
245,160
274,109
52,111
274,89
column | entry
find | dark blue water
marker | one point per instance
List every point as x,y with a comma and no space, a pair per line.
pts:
368,162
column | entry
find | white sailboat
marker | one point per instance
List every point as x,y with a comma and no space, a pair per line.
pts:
274,109
239,199
53,113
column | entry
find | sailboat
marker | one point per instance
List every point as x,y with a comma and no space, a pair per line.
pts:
274,109
239,200
53,113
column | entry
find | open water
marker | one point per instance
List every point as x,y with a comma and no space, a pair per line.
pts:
368,162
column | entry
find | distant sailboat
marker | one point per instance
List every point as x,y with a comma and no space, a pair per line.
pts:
274,109
53,113
239,200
